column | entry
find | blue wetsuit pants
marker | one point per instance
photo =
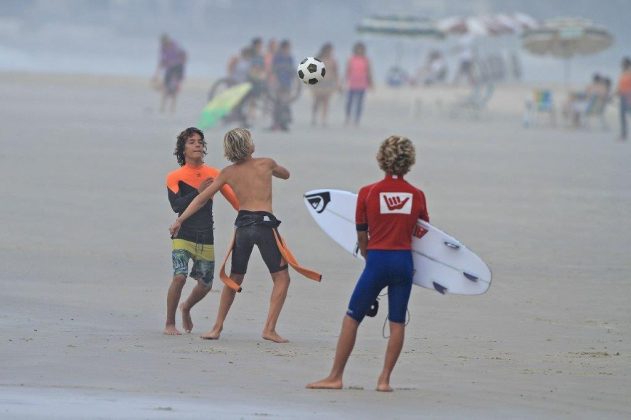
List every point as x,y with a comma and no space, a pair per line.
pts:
393,269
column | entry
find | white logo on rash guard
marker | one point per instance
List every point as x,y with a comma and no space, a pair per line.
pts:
395,202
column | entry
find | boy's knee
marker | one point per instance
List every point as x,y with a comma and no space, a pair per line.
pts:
206,284
179,279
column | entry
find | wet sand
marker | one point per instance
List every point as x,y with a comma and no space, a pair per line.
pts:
86,263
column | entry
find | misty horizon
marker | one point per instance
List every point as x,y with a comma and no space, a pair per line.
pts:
121,38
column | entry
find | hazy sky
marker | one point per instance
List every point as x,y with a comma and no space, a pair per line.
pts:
121,36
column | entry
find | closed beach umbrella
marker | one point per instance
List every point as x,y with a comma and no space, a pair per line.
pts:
566,38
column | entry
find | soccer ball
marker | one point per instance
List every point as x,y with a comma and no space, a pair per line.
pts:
311,70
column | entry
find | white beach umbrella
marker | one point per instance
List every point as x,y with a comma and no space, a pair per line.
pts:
486,26
566,38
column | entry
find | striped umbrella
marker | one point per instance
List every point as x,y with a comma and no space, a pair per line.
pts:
400,26
490,25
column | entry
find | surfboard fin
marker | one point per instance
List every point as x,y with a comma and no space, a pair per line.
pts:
470,276
439,288
451,245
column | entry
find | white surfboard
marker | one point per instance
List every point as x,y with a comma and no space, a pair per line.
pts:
441,262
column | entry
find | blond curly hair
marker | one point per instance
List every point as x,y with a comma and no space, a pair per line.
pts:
396,155
237,144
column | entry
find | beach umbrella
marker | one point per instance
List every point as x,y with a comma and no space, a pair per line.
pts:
400,26
486,26
223,104
566,38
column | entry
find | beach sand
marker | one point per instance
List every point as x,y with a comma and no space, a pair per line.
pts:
85,257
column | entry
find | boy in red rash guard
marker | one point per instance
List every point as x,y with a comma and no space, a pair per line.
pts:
386,216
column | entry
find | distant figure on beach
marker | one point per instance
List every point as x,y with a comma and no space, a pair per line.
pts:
257,76
434,71
579,103
251,180
194,240
386,217
268,57
624,92
239,66
358,79
284,75
171,64
465,60
323,91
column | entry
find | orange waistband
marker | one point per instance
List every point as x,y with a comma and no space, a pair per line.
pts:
284,251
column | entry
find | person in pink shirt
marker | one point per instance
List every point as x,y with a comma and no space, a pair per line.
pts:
358,79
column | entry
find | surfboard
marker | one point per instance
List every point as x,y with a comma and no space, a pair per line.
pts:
441,262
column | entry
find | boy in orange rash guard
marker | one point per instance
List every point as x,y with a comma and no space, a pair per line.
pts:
195,239
251,179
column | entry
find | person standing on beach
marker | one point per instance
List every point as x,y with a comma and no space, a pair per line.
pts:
358,79
386,217
194,240
284,75
172,63
325,88
624,91
251,180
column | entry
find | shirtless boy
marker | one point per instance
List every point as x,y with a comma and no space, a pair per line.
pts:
251,180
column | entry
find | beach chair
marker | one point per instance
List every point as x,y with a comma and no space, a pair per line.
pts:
541,103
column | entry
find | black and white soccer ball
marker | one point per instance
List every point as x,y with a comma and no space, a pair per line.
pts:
311,70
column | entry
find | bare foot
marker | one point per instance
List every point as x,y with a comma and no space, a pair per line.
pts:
212,334
171,330
384,387
326,383
273,336
187,322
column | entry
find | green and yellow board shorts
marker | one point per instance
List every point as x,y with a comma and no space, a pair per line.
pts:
203,256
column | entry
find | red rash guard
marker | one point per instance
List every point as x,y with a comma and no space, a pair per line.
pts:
388,210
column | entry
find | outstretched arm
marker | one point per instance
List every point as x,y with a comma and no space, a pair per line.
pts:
198,203
279,171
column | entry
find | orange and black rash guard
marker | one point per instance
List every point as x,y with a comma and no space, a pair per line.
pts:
182,185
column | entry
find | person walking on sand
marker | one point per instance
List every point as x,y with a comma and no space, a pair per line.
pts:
386,215
323,91
172,63
284,76
194,240
624,91
251,180
358,79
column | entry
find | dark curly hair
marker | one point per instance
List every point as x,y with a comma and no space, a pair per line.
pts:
181,141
